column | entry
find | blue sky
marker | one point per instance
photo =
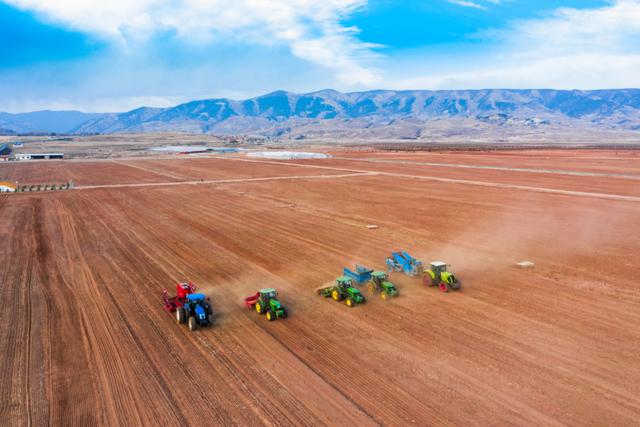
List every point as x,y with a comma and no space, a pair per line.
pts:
94,55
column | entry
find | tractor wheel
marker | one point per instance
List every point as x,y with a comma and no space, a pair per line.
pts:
444,287
259,308
271,315
371,287
180,315
383,295
336,295
210,319
426,279
193,324
284,313
349,302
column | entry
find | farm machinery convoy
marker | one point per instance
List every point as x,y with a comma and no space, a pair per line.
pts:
195,309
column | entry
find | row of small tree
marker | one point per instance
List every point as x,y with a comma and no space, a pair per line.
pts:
44,187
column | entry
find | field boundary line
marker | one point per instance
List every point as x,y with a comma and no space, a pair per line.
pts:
497,168
223,181
149,170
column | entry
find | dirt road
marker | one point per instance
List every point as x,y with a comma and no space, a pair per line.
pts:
85,340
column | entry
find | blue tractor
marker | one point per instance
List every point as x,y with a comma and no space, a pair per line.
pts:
196,311
402,261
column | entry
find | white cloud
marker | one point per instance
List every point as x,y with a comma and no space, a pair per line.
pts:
569,48
312,29
466,3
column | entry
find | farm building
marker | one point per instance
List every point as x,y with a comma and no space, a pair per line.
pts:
39,156
7,187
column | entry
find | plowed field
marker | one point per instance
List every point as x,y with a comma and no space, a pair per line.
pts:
84,339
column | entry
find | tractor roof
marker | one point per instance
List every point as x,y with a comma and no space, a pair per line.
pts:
195,297
343,279
439,264
378,273
267,290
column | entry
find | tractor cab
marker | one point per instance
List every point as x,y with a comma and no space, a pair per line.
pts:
267,294
438,267
379,276
344,283
195,298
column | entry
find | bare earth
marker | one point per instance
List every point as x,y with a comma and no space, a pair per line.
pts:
85,340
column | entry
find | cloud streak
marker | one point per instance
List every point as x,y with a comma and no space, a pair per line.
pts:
312,30
467,3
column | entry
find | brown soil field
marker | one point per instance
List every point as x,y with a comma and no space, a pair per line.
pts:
86,342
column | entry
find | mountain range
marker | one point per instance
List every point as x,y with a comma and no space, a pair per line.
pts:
402,114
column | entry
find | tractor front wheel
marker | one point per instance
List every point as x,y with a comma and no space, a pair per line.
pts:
180,315
349,302
444,287
193,324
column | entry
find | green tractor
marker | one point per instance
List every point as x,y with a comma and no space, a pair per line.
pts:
343,290
380,283
437,275
265,301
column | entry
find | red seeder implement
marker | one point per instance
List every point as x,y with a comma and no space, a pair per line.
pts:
182,290
250,301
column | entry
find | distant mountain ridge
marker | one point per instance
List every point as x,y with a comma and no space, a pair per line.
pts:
43,121
392,113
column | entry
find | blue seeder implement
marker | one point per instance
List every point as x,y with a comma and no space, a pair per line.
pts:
361,275
402,261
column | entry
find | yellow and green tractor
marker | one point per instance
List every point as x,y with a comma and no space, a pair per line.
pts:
343,289
437,275
379,282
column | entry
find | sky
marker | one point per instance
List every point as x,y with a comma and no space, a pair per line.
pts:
104,56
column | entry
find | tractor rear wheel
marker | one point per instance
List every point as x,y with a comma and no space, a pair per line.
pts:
180,315
426,279
193,324
270,316
284,313
371,287
259,308
444,287
383,295
210,319
349,302
336,295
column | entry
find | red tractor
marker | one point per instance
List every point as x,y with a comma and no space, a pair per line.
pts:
182,290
